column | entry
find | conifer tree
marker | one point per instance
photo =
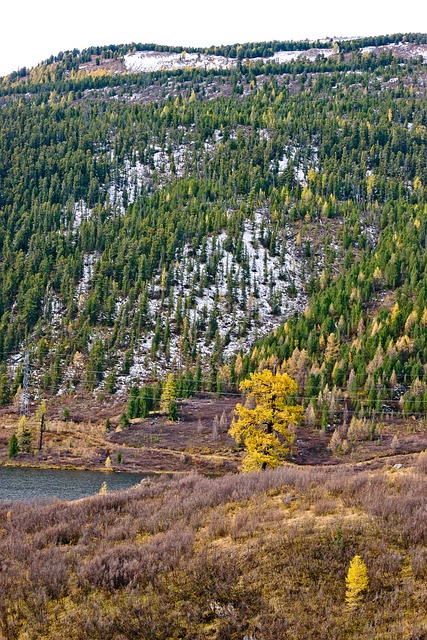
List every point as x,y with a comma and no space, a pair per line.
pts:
357,582
24,435
168,398
124,420
4,387
13,448
111,381
267,430
133,408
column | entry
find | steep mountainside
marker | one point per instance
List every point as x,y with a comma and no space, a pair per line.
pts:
208,212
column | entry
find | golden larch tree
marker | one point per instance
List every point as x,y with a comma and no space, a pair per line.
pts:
357,582
266,431
168,398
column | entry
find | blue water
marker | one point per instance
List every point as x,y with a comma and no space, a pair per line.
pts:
19,483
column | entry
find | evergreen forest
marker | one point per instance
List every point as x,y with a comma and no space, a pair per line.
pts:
212,222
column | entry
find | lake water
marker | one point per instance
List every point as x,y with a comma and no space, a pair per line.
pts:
18,483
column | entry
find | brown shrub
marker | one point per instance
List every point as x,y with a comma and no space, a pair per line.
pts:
421,463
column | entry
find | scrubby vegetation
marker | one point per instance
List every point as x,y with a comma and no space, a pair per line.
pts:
260,555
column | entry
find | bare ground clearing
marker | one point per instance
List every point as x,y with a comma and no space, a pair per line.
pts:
198,441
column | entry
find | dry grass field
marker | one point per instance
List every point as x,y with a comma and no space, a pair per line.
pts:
261,556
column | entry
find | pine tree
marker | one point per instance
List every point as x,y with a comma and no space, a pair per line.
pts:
13,448
133,408
124,421
111,381
4,387
357,582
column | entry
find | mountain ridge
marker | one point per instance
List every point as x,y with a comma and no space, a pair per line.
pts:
187,213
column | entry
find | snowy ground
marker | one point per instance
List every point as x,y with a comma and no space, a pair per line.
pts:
145,61
82,290
81,212
255,309
289,56
303,164
169,162
245,312
133,175
161,169
401,49
270,279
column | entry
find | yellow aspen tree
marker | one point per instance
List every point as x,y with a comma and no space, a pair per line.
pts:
357,582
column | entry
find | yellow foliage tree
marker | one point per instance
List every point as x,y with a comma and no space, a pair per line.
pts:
103,490
168,398
357,582
267,430
24,435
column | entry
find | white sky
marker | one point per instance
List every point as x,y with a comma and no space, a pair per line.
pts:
32,30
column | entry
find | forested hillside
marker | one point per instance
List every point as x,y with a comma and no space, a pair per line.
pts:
209,220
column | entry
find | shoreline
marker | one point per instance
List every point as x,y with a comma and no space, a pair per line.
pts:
69,467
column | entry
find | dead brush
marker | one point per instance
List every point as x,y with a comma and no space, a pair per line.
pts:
421,463
325,506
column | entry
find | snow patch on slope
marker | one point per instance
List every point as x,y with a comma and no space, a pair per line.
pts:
301,164
81,212
282,57
273,290
401,49
83,288
146,61
159,167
